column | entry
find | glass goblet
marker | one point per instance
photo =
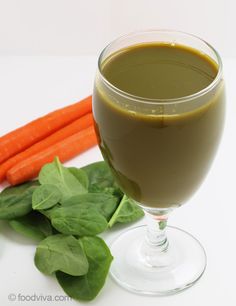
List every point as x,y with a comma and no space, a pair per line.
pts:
159,150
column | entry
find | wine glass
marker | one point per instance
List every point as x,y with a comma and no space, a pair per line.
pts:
159,150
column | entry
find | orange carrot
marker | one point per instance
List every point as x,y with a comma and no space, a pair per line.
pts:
65,150
76,126
25,136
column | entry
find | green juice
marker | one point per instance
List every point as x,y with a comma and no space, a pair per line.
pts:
158,149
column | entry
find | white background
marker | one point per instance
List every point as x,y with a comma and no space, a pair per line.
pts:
48,55
75,27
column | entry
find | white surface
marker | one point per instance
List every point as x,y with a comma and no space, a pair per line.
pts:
32,86
75,27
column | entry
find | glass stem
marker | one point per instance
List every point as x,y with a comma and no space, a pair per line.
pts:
155,247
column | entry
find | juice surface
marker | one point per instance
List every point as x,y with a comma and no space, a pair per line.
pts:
159,71
159,159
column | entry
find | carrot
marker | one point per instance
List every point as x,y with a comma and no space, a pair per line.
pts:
25,136
74,127
65,150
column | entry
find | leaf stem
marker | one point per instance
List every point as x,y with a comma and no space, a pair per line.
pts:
113,218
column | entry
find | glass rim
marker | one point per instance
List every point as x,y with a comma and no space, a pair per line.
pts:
159,101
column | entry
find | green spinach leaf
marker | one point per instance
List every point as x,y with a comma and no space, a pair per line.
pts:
56,174
70,201
99,175
116,191
106,204
18,190
46,196
34,225
48,212
78,221
81,176
61,253
127,211
87,287
16,204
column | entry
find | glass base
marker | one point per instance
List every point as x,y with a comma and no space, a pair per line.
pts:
176,269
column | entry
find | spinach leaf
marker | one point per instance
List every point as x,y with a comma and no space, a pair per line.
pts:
106,204
48,212
81,176
34,225
61,253
46,196
99,175
18,190
78,221
116,191
127,211
87,287
16,204
55,174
